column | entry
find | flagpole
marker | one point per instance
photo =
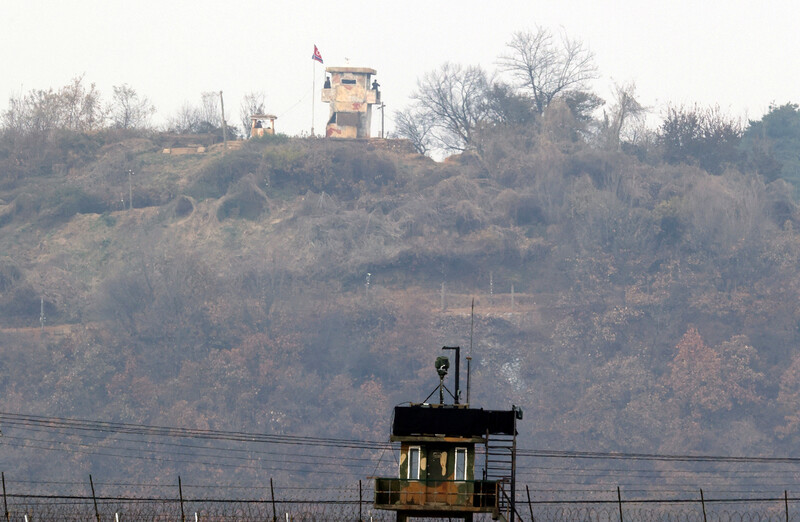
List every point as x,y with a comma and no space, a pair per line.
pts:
313,90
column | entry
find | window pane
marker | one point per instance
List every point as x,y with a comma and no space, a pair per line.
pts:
347,119
461,464
413,463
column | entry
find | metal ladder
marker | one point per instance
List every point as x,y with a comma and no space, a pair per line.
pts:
499,466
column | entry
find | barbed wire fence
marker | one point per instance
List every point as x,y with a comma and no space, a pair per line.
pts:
352,502
131,503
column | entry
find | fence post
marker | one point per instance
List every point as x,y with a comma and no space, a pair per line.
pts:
530,507
94,498
5,501
619,501
272,495
180,496
703,502
786,503
360,519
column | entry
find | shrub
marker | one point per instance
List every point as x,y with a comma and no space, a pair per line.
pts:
215,178
183,206
248,202
65,202
21,302
10,275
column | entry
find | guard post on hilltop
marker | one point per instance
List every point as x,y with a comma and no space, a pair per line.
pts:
351,96
262,124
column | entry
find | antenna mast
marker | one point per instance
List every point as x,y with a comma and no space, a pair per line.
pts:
457,395
469,356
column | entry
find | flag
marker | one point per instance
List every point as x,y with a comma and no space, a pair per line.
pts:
316,56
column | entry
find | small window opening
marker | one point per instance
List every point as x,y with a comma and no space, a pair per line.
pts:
348,81
413,463
461,464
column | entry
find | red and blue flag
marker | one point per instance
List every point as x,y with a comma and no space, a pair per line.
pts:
317,56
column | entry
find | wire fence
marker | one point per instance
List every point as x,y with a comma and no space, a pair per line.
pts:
351,503
669,513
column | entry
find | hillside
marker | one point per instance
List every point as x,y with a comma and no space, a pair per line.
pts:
304,287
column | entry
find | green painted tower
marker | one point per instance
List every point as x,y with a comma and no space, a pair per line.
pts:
440,445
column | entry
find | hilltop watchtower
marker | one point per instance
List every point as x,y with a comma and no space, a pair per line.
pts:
351,96
437,471
262,124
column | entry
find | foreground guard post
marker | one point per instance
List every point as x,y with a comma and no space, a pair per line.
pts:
438,475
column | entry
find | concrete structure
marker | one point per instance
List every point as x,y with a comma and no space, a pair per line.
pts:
351,94
261,124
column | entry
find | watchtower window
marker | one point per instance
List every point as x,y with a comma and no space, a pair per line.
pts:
347,119
461,464
348,81
413,462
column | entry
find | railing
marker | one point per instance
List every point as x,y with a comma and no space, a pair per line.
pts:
451,495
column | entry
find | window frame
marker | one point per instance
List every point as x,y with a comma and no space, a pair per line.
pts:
413,474
464,452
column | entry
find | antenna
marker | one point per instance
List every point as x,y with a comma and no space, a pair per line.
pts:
442,365
469,357
458,358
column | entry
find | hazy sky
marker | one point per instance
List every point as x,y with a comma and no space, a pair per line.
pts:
739,55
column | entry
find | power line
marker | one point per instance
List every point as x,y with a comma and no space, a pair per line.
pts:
532,470
195,446
345,462
180,461
651,457
38,422
166,431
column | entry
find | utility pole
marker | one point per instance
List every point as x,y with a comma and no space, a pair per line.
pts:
42,318
382,107
224,125
130,190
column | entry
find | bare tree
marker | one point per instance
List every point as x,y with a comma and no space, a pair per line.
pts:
74,107
128,110
455,99
625,112
32,113
209,108
252,103
80,106
415,126
201,119
547,67
186,120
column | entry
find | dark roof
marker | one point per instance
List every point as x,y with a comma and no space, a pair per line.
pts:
451,422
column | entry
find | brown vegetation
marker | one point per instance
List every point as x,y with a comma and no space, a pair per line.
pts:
303,287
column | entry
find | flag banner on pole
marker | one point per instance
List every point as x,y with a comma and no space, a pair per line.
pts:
316,56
